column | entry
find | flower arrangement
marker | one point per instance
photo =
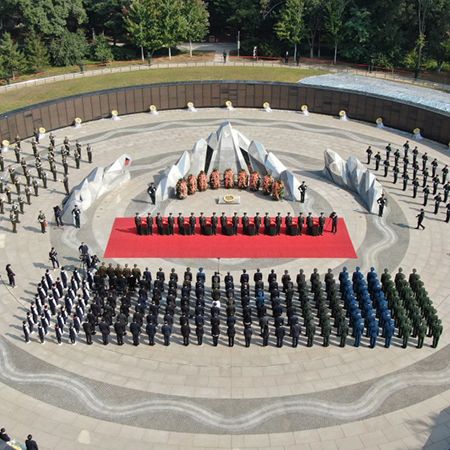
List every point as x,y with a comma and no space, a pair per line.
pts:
243,179
191,184
278,190
267,184
202,181
255,181
214,179
228,178
181,189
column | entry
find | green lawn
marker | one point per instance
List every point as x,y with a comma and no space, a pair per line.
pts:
20,98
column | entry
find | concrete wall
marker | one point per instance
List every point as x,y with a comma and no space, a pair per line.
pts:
60,113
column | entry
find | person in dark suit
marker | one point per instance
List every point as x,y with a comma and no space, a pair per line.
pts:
192,223
214,221
202,222
30,444
309,224
87,327
382,202
135,331
223,222
138,222
288,222
166,331
3,436
151,331
180,222
300,223
152,193
185,332
278,223
321,224
266,224
302,188
231,333
244,277
248,334
11,276
334,222
235,222
171,224
280,333
159,223
257,222
105,330
149,224
120,330
295,333
245,223
420,218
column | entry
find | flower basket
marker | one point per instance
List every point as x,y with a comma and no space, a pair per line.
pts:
243,179
278,190
181,189
214,179
255,181
267,184
202,181
228,178
191,184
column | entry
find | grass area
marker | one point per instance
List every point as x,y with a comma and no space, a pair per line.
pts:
20,98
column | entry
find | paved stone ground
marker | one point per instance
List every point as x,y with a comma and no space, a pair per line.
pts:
216,397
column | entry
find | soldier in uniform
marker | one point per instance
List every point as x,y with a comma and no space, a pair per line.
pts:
53,170
42,222
420,218
152,193
369,154
2,206
44,179
288,222
310,224
382,202
426,193
14,220
17,184
245,223
8,193
192,223
278,223
223,222
235,222
437,202
405,180
159,223
377,161
321,223
214,221
302,188
89,153
386,165
202,221
21,201
77,159
171,224
17,153
138,223
28,194
180,223
300,223
257,222
415,184
65,181
395,171
35,187
149,224
266,223
23,163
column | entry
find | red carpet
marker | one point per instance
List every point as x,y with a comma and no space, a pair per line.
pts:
124,242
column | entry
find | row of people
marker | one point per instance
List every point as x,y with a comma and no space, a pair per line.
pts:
230,226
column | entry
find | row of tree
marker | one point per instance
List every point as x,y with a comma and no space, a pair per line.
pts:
38,33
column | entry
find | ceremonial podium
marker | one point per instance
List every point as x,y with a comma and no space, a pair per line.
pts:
185,230
228,230
250,230
292,231
207,230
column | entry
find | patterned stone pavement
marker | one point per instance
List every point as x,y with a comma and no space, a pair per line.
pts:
218,397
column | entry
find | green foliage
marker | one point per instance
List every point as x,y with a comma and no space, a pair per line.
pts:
290,27
173,23
107,15
197,19
357,36
12,60
38,58
52,17
101,50
144,23
69,49
125,53
335,21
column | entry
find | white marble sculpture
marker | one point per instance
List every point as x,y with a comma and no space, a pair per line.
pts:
353,176
97,183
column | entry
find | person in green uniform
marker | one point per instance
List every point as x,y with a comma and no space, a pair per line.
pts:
21,201
28,194
35,187
13,219
89,153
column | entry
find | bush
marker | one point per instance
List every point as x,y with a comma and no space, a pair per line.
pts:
125,53
69,49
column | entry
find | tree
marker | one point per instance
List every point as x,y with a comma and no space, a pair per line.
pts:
357,35
38,58
107,16
68,49
174,24
335,21
101,50
314,13
12,60
290,27
197,18
52,17
144,25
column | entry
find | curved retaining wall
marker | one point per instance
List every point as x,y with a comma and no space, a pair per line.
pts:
434,125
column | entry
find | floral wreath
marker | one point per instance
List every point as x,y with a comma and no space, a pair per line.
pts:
266,105
379,121
114,113
416,131
78,120
229,198
228,103
342,113
152,108
304,108
190,105
42,130
5,143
